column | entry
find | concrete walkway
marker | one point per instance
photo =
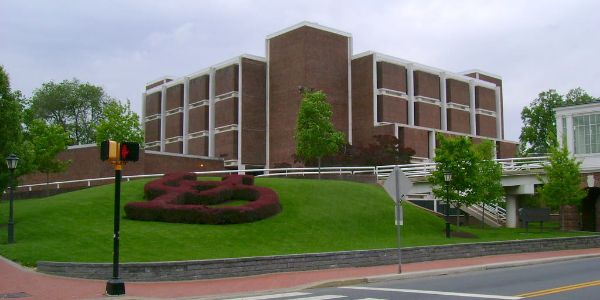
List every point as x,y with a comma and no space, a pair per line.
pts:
18,281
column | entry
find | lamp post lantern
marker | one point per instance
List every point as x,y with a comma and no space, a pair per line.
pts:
447,179
11,162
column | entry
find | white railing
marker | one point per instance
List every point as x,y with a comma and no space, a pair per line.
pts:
382,172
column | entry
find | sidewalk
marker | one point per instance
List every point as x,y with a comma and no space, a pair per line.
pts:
29,284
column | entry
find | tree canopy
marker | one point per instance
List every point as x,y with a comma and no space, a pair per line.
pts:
538,134
11,130
75,106
315,135
119,123
562,185
47,141
475,175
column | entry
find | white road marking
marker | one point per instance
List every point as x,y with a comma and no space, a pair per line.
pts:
275,296
324,297
434,293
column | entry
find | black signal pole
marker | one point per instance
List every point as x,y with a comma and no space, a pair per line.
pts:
115,286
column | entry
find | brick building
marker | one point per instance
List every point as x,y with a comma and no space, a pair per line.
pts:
244,110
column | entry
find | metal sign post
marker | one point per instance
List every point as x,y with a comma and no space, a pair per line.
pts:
397,186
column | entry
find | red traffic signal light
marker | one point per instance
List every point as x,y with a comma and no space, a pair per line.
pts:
129,151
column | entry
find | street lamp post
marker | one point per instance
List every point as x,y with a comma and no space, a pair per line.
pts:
447,179
11,162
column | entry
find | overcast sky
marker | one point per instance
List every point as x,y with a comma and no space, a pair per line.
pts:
121,45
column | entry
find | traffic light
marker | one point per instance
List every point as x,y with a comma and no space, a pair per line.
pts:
129,151
109,150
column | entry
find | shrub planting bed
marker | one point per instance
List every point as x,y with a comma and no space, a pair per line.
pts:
180,198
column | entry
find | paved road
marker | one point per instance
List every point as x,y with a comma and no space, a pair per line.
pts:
579,279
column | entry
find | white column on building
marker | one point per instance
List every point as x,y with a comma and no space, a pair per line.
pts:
411,93
559,130
570,134
432,144
498,114
163,117
444,101
211,113
144,109
511,211
472,104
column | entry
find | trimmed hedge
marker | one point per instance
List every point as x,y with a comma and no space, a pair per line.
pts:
180,198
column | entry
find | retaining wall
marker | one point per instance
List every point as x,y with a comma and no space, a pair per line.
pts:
236,267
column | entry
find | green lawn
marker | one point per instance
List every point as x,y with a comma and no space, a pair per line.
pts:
317,216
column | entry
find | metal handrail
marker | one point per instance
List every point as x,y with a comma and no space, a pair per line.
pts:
382,172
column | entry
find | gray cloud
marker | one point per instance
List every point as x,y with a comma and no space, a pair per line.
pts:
120,45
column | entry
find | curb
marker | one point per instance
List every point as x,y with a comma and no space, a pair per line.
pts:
448,271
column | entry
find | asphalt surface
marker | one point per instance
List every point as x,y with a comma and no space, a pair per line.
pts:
576,279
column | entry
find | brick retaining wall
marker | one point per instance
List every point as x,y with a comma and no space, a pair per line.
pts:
236,267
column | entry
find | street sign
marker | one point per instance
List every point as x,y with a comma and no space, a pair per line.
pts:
397,185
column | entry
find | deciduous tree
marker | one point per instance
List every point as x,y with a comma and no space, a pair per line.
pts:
11,131
315,135
456,156
48,140
562,185
119,124
488,186
538,134
75,106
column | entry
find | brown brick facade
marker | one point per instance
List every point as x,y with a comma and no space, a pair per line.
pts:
427,115
199,88
174,125
198,146
506,150
152,131
485,98
416,139
458,120
362,99
198,119
175,97
427,84
254,94
153,104
226,145
86,164
226,80
486,125
392,109
457,92
391,76
311,58
175,147
226,112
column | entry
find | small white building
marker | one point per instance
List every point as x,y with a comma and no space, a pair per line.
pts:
579,127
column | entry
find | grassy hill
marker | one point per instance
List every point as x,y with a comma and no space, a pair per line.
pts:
317,216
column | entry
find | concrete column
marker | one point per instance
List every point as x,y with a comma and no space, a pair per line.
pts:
559,131
444,100
410,82
570,135
431,144
498,114
186,114
511,211
163,118
472,104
